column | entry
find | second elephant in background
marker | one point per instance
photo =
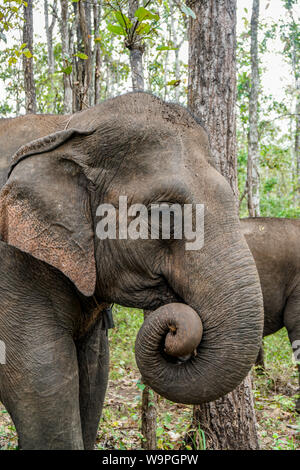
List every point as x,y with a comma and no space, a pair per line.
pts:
275,246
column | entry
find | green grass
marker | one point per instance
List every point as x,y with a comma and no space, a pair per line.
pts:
275,395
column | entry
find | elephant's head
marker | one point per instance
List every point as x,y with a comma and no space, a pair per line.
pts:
207,302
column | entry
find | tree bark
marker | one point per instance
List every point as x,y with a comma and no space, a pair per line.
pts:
65,51
297,134
149,413
253,143
292,48
228,423
176,44
97,8
29,84
149,416
49,35
149,398
212,78
136,51
84,87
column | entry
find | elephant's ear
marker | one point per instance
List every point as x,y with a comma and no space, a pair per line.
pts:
45,209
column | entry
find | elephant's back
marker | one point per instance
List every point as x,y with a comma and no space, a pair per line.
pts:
276,238
15,132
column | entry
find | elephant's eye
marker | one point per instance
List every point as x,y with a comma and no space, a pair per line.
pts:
165,220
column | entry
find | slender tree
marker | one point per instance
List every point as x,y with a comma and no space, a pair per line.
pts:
49,26
149,398
29,84
86,92
65,50
97,11
149,413
253,143
228,423
136,50
291,37
212,82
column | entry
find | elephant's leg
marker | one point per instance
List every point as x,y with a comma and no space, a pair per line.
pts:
93,362
292,324
40,381
41,394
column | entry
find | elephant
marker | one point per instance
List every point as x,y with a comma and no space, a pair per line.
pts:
275,246
59,275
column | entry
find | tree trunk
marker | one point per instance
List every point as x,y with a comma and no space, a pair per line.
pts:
175,43
29,84
212,79
65,52
97,52
253,145
76,71
293,41
136,51
84,35
228,423
149,398
49,35
149,416
297,135
149,413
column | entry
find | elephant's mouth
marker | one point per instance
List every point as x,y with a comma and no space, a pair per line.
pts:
173,332
181,327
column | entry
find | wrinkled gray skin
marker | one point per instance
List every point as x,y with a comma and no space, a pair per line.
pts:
275,246
54,381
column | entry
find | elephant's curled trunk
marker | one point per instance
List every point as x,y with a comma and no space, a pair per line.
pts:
217,332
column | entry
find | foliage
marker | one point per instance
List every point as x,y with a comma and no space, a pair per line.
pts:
10,15
277,169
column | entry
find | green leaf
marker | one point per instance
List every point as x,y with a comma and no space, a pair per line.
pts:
123,20
113,28
166,48
140,386
188,11
142,14
143,28
81,55
12,60
174,83
67,70
27,53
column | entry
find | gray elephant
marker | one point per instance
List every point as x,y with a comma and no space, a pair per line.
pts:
275,246
57,273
